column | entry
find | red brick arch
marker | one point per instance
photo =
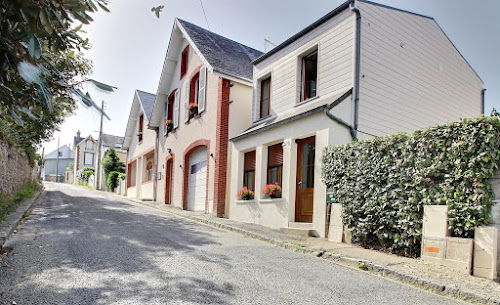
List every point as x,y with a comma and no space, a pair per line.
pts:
185,167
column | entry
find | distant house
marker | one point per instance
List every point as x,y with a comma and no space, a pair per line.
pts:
109,141
363,70
53,166
85,154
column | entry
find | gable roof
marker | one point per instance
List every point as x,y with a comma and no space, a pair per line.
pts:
143,101
223,54
63,148
147,100
111,141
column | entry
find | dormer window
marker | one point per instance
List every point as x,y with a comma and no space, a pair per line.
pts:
309,75
265,97
184,61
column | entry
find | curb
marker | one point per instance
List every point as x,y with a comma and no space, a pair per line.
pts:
358,264
8,226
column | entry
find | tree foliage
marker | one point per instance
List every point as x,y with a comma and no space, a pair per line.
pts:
112,167
40,64
383,183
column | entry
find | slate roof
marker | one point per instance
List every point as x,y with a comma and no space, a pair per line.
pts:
111,141
77,140
148,101
223,54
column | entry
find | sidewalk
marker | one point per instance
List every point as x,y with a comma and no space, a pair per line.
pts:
439,279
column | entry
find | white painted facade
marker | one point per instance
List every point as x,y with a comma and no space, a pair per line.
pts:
139,154
411,77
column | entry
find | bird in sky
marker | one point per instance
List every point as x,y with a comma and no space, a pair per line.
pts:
157,10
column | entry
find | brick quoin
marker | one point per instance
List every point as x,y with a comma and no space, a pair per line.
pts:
221,147
185,167
172,175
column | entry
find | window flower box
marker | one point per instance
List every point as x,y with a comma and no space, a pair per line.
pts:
169,125
193,109
245,194
272,190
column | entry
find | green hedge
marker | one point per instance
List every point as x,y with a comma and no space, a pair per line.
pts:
383,183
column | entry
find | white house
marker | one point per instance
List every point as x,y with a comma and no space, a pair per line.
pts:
363,70
139,142
56,162
213,74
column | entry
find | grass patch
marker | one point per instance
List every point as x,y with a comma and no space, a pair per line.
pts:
9,204
299,244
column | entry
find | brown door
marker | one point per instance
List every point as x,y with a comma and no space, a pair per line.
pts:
168,182
305,180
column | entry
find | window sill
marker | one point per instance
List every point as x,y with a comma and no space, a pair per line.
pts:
306,101
263,120
271,200
240,201
147,182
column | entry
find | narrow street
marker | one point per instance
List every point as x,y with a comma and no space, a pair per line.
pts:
84,247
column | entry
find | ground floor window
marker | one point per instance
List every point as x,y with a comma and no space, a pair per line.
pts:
275,164
149,170
249,171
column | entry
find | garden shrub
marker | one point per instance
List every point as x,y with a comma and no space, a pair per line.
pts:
383,183
84,174
112,181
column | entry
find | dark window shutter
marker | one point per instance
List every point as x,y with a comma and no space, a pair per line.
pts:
250,160
275,155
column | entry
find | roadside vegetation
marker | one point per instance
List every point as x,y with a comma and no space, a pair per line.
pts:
113,169
42,66
383,183
9,204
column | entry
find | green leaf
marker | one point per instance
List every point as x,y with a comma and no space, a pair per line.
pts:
15,117
34,47
102,86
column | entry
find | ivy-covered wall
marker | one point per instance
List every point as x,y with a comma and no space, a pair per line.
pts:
383,183
15,167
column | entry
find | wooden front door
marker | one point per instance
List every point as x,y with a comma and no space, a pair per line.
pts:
168,182
305,180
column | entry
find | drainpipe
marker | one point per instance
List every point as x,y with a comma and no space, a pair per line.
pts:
357,57
155,179
341,122
482,100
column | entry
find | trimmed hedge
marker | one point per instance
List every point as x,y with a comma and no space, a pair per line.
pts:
383,183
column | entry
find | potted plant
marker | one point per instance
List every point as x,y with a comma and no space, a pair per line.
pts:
139,135
272,190
169,125
245,194
193,108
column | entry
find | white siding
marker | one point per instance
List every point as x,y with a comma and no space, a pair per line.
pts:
334,40
411,74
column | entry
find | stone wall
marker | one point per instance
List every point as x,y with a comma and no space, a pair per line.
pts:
14,167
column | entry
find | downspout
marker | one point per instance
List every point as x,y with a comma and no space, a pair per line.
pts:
341,122
482,100
155,179
357,58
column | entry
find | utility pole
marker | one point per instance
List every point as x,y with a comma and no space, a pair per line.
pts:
43,163
98,171
57,162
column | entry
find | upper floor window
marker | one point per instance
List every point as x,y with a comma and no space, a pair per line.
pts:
169,112
88,159
60,154
249,170
89,145
141,127
275,164
194,93
265,97
184,61
309,75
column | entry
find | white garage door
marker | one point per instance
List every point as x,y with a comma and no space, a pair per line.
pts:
197,181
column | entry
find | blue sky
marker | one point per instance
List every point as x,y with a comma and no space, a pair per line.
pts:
130,43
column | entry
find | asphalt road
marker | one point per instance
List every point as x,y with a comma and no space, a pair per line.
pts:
84,247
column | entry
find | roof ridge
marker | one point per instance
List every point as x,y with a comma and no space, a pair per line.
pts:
244,45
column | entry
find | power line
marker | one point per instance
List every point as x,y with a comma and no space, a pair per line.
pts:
205,15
